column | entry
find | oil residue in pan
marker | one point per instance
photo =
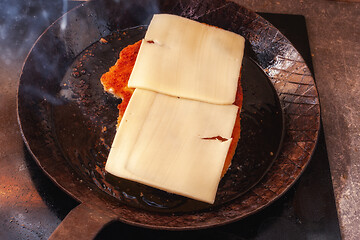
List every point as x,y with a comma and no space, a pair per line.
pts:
86,123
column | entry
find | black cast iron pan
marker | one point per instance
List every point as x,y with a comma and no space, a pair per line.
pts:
68,122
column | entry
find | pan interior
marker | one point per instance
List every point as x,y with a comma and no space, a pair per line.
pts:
85,125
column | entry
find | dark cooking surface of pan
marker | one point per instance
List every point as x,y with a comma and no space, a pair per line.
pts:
85,122
43,96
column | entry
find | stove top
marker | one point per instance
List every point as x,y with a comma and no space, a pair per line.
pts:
306,211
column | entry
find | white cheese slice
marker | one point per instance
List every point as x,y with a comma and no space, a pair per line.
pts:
165,142
185,58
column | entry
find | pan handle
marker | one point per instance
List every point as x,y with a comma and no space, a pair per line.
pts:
83,222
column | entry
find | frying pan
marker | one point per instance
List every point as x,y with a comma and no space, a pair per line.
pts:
49,103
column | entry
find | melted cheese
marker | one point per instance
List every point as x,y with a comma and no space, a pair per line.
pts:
188,59
176,131
174,144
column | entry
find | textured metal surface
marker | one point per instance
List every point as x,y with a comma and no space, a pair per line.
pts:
281,62
334,35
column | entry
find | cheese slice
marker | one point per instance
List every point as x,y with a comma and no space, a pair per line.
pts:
188,59
174,144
